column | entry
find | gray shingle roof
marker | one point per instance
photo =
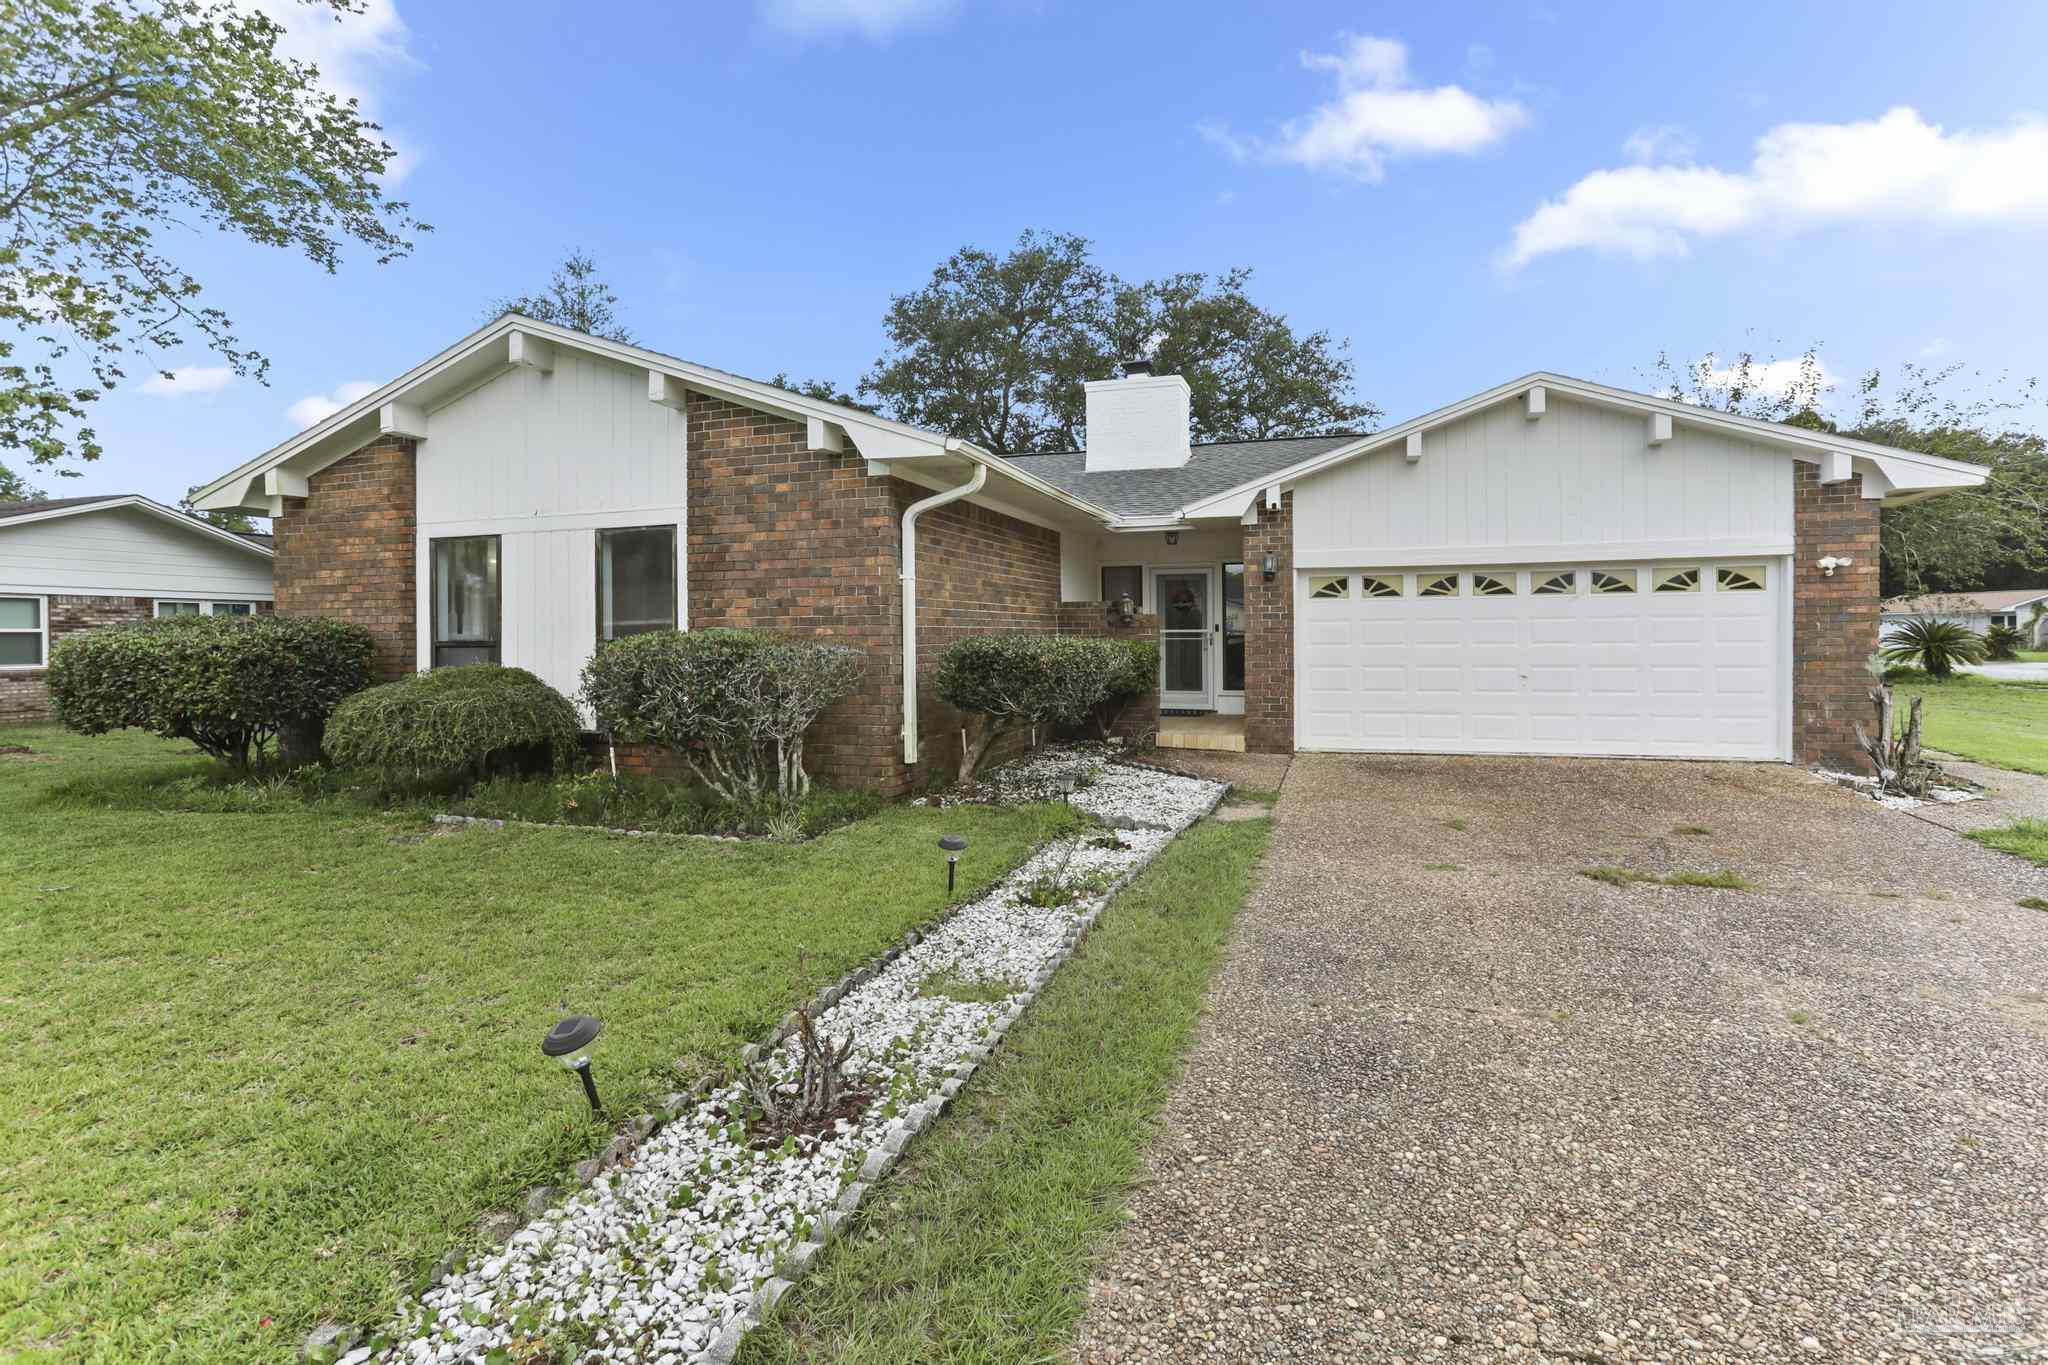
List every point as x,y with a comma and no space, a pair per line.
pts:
1213,467
22,509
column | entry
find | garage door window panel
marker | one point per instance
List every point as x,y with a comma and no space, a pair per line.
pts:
1443,585
1678,580
1379,585
1493,585
1608,582
1741,578
1329,587
1555,585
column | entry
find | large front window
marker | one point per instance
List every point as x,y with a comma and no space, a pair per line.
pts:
466,601
636,581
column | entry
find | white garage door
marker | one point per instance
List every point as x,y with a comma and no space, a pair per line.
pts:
1680,659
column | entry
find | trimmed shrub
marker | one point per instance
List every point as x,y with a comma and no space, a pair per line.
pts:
731,702
230,684
475,721
1135,675
1017,680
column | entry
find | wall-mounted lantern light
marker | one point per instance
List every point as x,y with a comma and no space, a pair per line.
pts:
1269,565
954,844
1173,537
566,1041
1123,611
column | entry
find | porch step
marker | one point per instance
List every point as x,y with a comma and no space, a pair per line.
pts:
1221,734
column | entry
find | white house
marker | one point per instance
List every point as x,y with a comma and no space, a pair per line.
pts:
2023,609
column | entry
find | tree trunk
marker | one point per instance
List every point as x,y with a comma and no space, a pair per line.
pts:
978,746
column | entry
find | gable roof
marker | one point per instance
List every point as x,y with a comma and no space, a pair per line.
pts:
1996,599
1212,467
1904,474
51,509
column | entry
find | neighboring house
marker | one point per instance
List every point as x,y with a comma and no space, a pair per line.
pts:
70,564
1551,566
2024,609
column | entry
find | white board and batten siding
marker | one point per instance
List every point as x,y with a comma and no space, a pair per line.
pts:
544,460
1578,492
127,552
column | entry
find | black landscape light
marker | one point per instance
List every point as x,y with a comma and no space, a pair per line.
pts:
566,1041
953,844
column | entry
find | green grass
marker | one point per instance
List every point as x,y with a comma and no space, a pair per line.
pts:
1727,879
2027,838
2003,724
980,1246
2032,903
265,1069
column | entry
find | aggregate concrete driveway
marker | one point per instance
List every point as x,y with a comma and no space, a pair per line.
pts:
1455,1101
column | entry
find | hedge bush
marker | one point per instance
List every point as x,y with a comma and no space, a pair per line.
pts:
1135,674
230,684
1016,680
729,701
475,721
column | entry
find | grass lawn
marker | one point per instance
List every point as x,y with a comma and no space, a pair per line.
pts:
2027,838
980,1245
2003,724
265,1068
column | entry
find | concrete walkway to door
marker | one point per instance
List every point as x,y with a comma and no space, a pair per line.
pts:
1456,1101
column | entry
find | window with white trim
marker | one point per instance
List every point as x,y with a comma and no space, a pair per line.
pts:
1443,585
1124,580
464,596
24,632
1493,585
188,606
1556,585
1338,585
636,581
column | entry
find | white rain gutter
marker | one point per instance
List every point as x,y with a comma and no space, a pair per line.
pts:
910,516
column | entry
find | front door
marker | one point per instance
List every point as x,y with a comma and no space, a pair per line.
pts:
1185,678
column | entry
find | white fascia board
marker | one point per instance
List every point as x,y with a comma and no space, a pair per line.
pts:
156,509
1620,552
1911,470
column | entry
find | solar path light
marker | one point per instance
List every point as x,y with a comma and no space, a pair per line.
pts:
566,1041
954,844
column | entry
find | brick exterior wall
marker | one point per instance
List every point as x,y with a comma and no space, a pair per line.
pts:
1139,723
348,550
1834,618
25,696
1269,631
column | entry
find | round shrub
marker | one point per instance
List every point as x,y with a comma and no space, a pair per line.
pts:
230,684
729,701
474,721
1017,680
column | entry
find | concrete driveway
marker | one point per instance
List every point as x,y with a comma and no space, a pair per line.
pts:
1456,1101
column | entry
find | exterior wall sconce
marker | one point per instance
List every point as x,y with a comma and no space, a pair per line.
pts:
1269,565
1123,611
1173,537
1830,563
565,1042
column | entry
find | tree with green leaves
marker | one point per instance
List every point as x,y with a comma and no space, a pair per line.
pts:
14,488
576,297
824,390
241,523
996,348
122,120
1956,542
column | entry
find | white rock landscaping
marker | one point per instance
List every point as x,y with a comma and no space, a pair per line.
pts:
670,1258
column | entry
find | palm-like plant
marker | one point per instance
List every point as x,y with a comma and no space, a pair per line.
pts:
1934,645
2003,642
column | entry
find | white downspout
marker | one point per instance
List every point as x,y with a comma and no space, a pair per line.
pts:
910,516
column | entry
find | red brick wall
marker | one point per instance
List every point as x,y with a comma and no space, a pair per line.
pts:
978,572
24,696
1834,618
348,551
1139,722
1269,631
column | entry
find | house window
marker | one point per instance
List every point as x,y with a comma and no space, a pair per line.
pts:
1745,578
234,608
23,632
1123,580
1678,580
465,601
1443,585
1339,586
1233,627
1558,584
1380,585
636,581
1490,585
1605,582
182,607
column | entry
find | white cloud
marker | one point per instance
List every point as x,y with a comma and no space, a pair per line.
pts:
1379,114
1771,376
317,407
869,18
358,54
1660,142
188,379
1803,175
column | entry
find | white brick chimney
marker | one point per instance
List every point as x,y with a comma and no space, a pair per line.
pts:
1139,421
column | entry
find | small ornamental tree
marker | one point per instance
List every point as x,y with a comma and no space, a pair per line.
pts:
2002,643
1934,645
230,684
734,703
471,722
1012,681
1136,674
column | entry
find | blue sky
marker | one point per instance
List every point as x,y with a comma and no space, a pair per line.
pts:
757,179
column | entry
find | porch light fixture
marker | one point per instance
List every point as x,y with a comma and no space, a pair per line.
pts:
1123,611
954,844
1173,537
1269,566
566,1041
1830,563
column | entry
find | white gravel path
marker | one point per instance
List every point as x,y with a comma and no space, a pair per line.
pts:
668,1259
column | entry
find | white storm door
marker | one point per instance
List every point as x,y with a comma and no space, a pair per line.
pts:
1187,679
